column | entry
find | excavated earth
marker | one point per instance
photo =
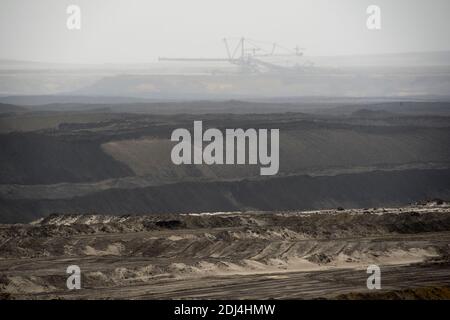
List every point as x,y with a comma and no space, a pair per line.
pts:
232,255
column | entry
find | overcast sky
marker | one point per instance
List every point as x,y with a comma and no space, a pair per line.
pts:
137,31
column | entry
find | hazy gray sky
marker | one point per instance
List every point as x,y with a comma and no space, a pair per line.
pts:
138,31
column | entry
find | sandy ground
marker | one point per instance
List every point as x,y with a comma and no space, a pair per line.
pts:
280,255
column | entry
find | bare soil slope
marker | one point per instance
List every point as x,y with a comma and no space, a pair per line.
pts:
228,255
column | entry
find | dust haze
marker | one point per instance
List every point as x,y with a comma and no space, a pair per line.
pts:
86,176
